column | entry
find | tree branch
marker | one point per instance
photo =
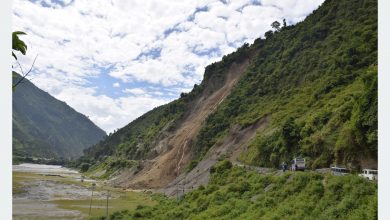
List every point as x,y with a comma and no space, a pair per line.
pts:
24,74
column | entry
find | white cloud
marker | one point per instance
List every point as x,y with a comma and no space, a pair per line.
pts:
162,43
109,113
112,113
135,91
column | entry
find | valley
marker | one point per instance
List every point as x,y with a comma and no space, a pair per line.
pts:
55,192
304,94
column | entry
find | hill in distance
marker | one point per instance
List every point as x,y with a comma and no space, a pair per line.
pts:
45,127
306,90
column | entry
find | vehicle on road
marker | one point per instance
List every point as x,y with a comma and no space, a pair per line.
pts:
298,164
369,174
339,171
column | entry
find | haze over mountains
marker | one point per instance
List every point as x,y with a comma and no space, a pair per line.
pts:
45,127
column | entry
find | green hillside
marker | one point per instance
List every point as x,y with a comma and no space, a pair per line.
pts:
234,193
313,85
316,81
45,127
134,141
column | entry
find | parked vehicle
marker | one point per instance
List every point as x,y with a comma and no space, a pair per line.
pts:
298,164
369,174
339,171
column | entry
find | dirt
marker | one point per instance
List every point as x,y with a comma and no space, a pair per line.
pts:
36,200
42,190
165,173
170,164
53,192
234,142
27,209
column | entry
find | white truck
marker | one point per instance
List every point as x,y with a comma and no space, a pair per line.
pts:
369,174
298,164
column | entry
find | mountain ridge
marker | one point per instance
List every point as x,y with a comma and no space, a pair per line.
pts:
45,127
309,90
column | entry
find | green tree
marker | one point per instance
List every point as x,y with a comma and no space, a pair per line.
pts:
290,133
84,167
276,25
268,34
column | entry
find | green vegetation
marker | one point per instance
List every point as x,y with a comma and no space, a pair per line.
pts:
108,167
234,193
317,81
121,200
17,185
135,141
45,127
17,44
21,179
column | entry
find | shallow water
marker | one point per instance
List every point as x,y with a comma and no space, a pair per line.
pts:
43,169
36,200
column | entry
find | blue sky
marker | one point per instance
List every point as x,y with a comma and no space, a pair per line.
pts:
115,60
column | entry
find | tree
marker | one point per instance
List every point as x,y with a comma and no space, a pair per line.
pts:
268,34
19,45
290,133
276,25
84,167
284,23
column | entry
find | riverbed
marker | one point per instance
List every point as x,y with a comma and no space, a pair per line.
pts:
55,192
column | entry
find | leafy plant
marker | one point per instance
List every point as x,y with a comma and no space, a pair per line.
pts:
18,44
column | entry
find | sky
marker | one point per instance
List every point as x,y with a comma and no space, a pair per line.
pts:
114,60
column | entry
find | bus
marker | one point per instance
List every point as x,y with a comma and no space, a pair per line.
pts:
339,171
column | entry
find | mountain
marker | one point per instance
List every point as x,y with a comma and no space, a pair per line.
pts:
306,90
45,127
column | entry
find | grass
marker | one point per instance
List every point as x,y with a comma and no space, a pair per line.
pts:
127,200
19,179
119,200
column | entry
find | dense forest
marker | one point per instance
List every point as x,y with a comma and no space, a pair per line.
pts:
317,80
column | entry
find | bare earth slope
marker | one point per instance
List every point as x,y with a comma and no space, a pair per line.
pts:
230,147
167,166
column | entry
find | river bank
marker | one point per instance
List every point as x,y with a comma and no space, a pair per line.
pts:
55,192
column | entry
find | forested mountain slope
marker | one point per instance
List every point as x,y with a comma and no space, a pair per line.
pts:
318,83
43,126
305,90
